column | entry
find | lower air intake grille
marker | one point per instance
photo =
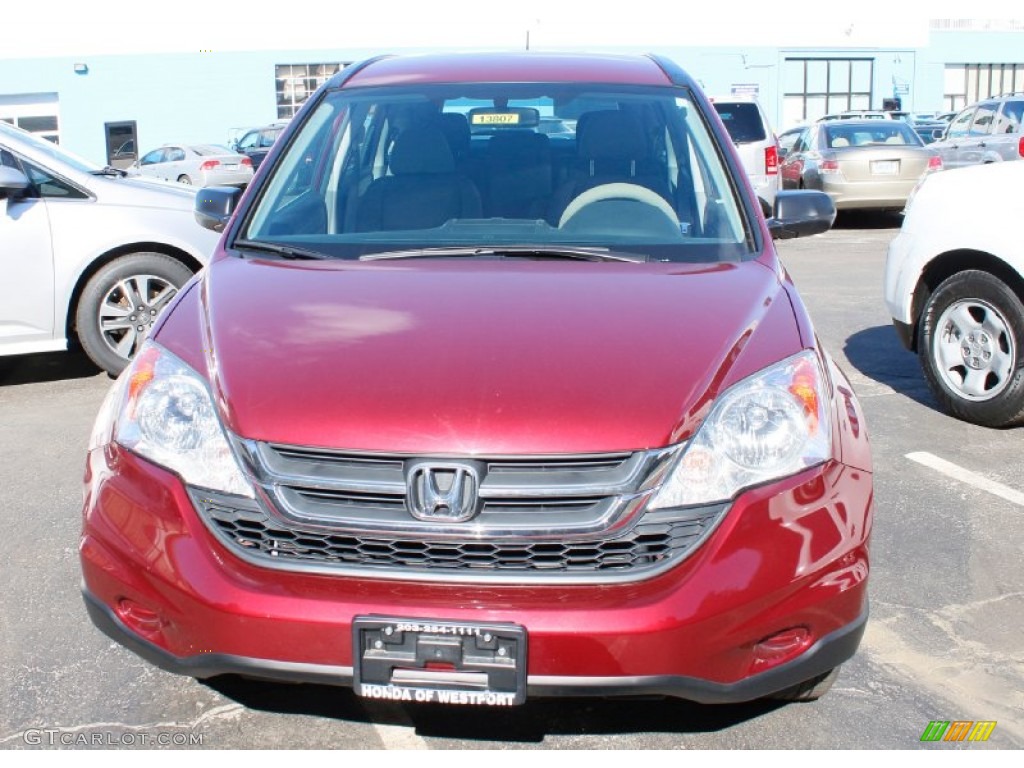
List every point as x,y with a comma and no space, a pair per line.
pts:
655,542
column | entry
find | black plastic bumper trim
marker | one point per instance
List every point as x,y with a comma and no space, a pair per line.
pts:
829,652
826,654
905,332
207,665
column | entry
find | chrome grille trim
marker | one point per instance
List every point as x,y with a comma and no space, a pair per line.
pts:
572,496
538,477
541,519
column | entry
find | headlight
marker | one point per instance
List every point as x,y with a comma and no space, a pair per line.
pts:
165,413
768,426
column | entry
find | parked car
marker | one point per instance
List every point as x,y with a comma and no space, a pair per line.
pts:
205,165
859,114
755,141
786,140
954,286
257,142
929,130
862,164
88,255
406,435
987,132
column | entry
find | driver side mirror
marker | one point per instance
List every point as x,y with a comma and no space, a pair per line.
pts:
215,206
801,212
12,181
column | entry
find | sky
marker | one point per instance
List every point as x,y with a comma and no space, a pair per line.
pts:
114,27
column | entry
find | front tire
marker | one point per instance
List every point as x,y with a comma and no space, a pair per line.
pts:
971,338
120,303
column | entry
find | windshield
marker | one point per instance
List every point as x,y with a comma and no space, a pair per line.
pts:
211,149
880,132
544,166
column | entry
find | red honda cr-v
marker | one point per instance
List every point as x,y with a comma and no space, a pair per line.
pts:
465,410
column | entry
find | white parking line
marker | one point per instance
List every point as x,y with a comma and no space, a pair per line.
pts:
966,476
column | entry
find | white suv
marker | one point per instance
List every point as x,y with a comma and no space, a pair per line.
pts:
954,285
756,143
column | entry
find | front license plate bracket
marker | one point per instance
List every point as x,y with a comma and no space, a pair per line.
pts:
450,662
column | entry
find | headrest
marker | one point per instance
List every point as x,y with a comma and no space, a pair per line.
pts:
519,147
610,135
421,149
455,127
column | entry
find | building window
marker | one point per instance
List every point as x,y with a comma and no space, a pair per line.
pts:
816,87
296,82
968,83
34,112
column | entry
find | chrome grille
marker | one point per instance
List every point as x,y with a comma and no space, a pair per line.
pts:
574,496
539,519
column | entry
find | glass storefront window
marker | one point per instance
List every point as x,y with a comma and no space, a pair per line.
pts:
816,87
294,83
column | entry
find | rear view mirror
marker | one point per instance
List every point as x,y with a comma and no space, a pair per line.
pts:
801,212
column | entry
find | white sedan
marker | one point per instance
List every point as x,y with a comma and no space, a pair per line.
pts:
954,285
87,254
204,165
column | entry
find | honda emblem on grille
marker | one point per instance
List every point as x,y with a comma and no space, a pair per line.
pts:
442,492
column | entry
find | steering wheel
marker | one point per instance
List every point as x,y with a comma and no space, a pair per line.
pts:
617,191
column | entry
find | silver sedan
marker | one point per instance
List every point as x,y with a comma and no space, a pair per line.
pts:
204,165
862,164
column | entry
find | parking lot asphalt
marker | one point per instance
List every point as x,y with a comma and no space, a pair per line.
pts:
947,590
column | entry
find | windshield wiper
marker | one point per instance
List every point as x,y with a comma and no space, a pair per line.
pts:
511,251
109,170
286,251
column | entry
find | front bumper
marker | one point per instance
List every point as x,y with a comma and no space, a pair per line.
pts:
902,273
789,555
827,653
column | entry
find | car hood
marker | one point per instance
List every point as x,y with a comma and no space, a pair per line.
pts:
143,192
479,357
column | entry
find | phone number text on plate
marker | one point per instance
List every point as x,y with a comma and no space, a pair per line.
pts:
438,629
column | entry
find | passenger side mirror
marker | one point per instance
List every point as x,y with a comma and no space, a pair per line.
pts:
801,212
12,181
215,206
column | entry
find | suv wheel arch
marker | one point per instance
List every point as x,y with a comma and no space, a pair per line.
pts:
945,265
